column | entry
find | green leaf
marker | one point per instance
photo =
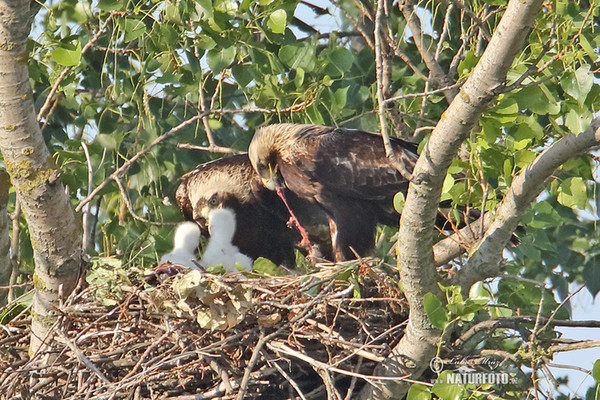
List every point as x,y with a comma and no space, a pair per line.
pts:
448,183
299,78
341,97
205,42
418,391
277,21
574,122
242,74
265,266
133,27
67,56
523,158
479,292
219,59
447,391
596,371
341,58
112,5
539,99
579,83
467,64
399,201
572,193
435,311
204,8
298,55
587,47
591,275
506,106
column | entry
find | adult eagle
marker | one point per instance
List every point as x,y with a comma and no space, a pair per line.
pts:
344,171
261,217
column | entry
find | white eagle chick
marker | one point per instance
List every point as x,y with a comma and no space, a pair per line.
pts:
185,243
220,251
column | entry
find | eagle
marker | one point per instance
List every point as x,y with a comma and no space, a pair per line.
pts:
220,250
261,218
185,243
344,171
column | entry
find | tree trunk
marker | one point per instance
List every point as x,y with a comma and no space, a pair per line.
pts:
54,231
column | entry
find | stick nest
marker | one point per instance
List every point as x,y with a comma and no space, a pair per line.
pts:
207,336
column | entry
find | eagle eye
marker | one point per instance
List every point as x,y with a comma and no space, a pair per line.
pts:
213,201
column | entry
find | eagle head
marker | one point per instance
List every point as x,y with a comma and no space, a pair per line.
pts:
269,145
217,201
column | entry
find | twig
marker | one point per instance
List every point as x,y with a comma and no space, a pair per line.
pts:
283,348
65,71
119,171
212,149
585,344
284,374
379,54
394,99
559,306
88,210
129,206
244,384
86,361
437,76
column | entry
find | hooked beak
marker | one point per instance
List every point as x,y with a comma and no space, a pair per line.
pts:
204,212
271,182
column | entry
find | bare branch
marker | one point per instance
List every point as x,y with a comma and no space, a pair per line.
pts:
437,76
382,88
211,149
119,171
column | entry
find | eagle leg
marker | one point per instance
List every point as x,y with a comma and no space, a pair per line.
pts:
305,240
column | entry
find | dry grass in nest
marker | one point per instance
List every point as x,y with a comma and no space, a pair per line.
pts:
306,337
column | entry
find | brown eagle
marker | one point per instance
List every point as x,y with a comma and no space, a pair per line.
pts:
261,217
344,171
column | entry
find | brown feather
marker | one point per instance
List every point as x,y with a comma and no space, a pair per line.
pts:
344,171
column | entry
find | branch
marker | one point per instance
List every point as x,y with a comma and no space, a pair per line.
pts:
65,71
437,76
380,62
211,149
485,261
129,206
119,171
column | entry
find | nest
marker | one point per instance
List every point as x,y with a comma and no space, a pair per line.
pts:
208,337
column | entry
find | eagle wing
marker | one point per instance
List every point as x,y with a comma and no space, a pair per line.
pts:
352,163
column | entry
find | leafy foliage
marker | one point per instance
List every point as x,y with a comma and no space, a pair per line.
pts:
126,72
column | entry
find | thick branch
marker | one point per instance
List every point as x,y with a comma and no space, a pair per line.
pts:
485,261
